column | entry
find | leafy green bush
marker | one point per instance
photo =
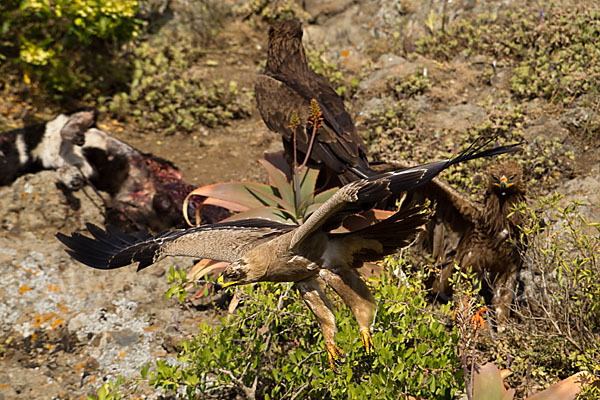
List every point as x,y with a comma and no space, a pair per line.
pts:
62,43
556,50
271,349
567,257
330,70
410,86
167,92
109,390
555,330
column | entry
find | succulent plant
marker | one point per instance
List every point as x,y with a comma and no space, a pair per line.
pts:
488,384
276,200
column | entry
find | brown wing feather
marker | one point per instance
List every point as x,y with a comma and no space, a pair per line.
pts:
450,199
337,145
222,242
363,194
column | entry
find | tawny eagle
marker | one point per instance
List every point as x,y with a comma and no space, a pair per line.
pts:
288,85
309,255
481,236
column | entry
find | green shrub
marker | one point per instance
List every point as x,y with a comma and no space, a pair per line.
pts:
555,51
168,92
555,331
411,85
109,390
62,43
272,348
564,59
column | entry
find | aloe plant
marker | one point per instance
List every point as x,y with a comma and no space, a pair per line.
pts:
281,200
488,384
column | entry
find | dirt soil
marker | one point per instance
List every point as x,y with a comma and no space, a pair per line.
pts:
65,328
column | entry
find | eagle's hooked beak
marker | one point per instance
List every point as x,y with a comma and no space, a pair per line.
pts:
504,183
224,284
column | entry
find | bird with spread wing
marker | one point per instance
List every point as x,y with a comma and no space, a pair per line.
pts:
286,86
310,255
481,236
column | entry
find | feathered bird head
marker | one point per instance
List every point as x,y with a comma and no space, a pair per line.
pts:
286,54
504,179
286,30
248,269
236,273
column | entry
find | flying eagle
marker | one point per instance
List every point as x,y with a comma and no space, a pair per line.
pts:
287,85
482,236
309,255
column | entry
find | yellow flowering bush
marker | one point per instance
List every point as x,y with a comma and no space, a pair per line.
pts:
57,41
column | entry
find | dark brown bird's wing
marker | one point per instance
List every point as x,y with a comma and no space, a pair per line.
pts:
448,198
455,215
445,195
363,194
226,241
390,234
337,145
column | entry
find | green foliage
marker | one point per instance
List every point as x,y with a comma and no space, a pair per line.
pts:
556,51
108,391
563,61
178,279
555,332
62,43
569,253
411,85
391,131
168,93
272,344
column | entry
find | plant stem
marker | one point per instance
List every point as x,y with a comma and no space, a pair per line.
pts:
312,141
296,178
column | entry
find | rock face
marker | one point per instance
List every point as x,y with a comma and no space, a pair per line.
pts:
585,189
65,326
36,202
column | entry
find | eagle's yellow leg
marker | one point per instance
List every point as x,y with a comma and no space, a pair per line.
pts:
365,336
336,356
313,293
349,285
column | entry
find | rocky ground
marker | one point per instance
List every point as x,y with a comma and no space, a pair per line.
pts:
66,328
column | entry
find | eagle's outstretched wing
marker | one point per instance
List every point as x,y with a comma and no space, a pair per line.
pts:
455,215
225,241
363,194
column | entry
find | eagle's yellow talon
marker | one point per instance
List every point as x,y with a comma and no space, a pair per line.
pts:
365,336
336,357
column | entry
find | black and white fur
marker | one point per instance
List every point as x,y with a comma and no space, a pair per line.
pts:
54,144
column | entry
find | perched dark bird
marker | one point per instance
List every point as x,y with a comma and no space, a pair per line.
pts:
482,236
287,85
309,255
